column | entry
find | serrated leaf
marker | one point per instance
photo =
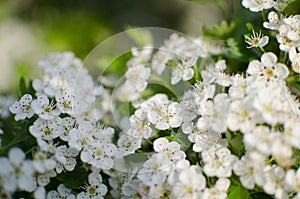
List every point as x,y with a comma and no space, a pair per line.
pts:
222,31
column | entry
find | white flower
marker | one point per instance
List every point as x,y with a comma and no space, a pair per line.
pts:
155,170
256,40
127,144
258,5
274,182
274,21
282,153
292,179
295,59
260,139
238,87
166,116
42,163
68,123
140,125
137,76
268,68
203,91
241,116
62,192
44,109
250,169
47,129
40,193
43,179
99,154
213,114
22,108
190,183
183,70
171,149
291,133
140,56
204,139
188,108
95,188
66,102
218,163
22,169
218,191
8,181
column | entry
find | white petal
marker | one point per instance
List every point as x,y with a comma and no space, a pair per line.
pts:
268,59
254,67
160,144
16,156
281,70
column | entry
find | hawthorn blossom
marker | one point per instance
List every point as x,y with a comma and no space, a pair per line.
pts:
256,40
139,125
22,108
137,76
268,68
218,163
183,71
23,170
155,170
294,57
171,149
274,21
62,192
258,5
47,129
250,169
44,109
218,191
187,187
99,154
127,144
94,189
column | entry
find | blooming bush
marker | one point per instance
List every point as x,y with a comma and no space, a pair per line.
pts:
180,122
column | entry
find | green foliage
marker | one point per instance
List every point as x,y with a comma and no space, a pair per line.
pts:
236,190
25,88
235,141
234,49
74,179
222,31
292,8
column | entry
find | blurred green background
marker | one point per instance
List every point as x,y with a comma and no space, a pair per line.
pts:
31,29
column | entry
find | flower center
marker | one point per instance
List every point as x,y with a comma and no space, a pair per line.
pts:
99,153
244,114
188,189
47,131
92,191
48,109
269,73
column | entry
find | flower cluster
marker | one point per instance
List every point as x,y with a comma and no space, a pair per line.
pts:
221,135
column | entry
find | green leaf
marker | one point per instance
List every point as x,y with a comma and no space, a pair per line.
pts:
234,49
236,190
292,8
235,143
222,31
74,179
24,88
